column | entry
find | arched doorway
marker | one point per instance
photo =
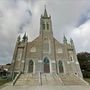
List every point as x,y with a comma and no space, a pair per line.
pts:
60,67
30,67
46,65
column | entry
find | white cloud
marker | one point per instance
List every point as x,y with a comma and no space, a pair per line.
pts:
81,36
18,16
12,17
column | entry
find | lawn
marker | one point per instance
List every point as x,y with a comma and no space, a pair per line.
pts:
2,82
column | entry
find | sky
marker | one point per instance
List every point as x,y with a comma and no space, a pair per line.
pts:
69,17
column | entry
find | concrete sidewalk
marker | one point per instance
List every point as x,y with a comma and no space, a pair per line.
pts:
46,88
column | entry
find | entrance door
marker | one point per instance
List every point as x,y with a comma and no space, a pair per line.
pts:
30,68
60,67
46,65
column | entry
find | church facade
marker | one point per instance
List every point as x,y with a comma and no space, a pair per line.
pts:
45,54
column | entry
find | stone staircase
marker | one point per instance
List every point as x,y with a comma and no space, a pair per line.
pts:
38,79
51,79
44,79
28,79
69,79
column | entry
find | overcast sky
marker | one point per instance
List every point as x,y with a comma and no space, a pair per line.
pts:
69,17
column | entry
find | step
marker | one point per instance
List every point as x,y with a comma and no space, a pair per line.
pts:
71,80
28,79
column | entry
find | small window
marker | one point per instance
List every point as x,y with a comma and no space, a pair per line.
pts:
43,26
47,26
71,55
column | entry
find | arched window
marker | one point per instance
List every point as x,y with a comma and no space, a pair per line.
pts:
30,66
46,65
60,67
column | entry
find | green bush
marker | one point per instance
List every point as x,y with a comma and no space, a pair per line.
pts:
86,74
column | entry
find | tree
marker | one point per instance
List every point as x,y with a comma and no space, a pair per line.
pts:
84,60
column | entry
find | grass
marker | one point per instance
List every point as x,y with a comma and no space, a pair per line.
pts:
2,82
87,79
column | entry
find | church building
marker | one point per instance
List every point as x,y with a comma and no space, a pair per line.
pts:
45,54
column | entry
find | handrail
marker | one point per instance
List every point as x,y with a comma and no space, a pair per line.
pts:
40,79
17,76
60,79
82,80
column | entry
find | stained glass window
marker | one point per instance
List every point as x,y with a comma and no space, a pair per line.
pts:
46,65
46,61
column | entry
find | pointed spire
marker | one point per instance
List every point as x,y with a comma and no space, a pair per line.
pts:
18,39
25,38
45,12
64,40
71,41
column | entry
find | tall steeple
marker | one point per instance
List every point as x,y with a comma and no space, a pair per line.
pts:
45,12
45,23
